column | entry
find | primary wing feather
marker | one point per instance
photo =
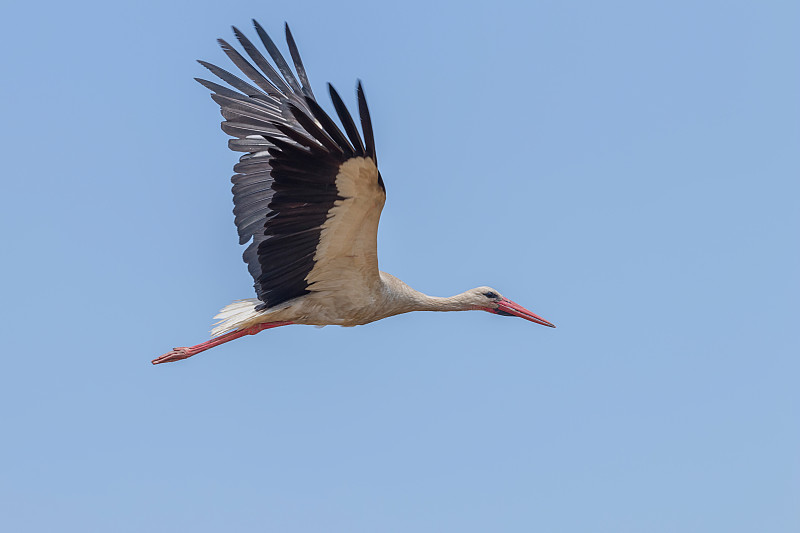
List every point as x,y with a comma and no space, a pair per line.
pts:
285,186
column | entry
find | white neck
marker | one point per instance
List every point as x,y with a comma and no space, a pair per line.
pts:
447,303
404,299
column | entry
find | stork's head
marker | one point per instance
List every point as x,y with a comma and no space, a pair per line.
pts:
488,299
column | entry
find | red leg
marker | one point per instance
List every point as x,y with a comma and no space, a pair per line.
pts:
182,353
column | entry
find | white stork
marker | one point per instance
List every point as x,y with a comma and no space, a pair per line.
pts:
307,198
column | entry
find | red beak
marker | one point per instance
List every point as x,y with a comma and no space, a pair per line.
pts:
507,307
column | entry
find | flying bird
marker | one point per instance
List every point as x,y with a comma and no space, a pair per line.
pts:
307,199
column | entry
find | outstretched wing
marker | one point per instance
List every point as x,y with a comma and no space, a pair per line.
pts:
307,198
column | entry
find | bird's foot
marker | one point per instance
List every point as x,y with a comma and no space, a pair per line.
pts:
175,355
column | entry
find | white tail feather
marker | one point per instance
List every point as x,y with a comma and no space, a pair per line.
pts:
237,315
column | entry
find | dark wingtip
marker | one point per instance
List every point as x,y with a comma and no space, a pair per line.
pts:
298,63
347,121
366,123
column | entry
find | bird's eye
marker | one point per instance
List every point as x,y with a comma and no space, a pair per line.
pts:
490,294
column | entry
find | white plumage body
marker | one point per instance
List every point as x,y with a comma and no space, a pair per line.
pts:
388,298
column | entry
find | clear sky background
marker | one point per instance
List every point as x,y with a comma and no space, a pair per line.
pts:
628,170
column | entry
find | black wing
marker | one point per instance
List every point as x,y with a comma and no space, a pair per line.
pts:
285,183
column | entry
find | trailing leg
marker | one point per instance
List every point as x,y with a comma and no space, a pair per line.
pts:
184,352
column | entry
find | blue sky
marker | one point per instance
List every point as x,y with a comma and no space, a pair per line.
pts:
628,170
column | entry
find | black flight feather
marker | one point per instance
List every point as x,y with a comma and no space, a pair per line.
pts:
315,131
277,57
249,70
298,63
330,127
261,62
298,137
219,89
232,80
347,121
366,124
